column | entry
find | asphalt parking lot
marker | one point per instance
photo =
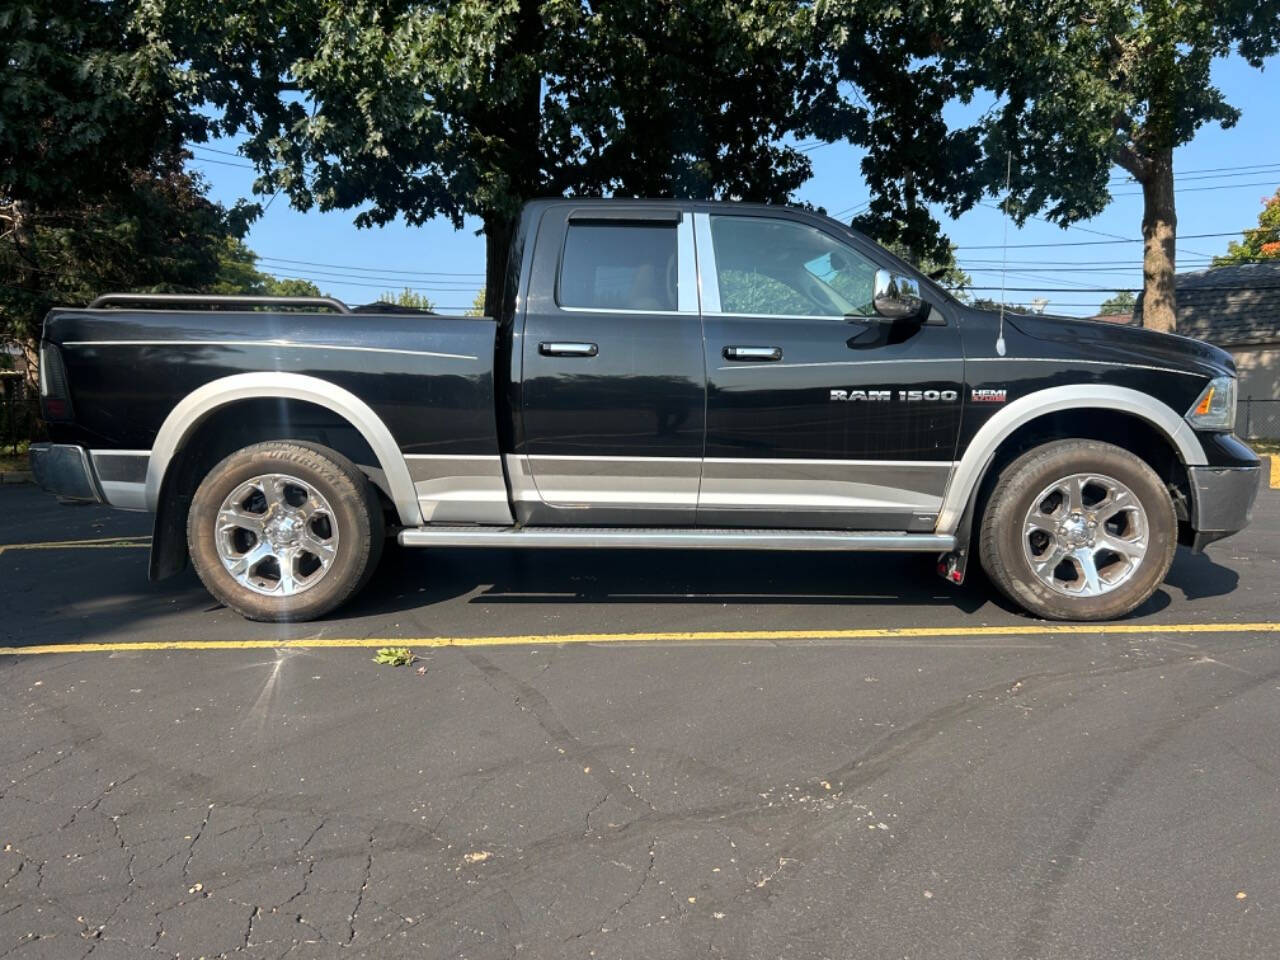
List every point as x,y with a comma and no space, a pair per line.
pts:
723,755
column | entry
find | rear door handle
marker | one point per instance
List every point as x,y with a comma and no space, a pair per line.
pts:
557,348
753,354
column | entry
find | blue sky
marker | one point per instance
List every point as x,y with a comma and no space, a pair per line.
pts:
446,264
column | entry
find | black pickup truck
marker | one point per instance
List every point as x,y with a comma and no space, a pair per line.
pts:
660,374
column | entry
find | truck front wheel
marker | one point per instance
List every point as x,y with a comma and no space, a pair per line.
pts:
1078,530
284,531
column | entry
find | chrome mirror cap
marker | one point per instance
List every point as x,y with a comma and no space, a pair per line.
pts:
897,297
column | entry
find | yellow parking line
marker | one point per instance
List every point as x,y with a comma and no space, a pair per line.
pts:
101,543
1029,630
1275,471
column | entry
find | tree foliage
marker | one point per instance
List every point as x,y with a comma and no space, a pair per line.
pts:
1260,243
161,235
1121,304
408,298
467,108
238,273
1076,85
93,196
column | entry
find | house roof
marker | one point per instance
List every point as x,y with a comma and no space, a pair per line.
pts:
1231,306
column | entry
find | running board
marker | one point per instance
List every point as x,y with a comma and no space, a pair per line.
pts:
674,539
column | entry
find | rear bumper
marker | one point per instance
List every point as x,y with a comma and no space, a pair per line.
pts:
77,475
65,470
1222,501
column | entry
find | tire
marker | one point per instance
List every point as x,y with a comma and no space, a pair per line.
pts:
1067,501
284,531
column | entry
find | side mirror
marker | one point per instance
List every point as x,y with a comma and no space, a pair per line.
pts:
897,297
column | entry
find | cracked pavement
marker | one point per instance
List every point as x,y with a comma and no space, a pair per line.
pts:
1089,796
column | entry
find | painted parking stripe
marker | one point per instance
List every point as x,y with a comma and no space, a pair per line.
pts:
1275,471
887,633
100,543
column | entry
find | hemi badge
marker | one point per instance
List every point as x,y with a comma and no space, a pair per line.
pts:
989,396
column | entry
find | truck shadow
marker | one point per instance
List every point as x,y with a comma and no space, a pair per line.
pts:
466,589
511,578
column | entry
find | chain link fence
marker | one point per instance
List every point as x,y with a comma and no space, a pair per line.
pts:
1258,419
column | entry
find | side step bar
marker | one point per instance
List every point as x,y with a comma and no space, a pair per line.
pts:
674,539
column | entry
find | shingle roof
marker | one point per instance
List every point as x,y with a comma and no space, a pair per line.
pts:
1230,306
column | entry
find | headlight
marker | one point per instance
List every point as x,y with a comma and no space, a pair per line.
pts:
1215,408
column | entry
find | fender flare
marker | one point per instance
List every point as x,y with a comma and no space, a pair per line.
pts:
192,410
1104,397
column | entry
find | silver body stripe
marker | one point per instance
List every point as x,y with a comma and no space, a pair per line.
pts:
867,363
460,488
746,483
264,343
1098,363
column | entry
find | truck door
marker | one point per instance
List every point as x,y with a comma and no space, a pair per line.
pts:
820,414
613,384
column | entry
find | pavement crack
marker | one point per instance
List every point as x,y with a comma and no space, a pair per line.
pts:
364,885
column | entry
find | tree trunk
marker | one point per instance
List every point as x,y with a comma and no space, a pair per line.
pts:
1159,233
498,231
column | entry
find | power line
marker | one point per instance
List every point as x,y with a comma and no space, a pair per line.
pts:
223,163
1258,167
1098,243
1223,186
442,286
225,153
364,269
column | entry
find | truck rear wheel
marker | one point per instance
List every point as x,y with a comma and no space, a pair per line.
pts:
1078,530
284,531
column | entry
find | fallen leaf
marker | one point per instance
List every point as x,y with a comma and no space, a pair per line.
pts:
1241,895
477,856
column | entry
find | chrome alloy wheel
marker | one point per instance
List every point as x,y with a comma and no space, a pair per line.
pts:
276,535
1085,535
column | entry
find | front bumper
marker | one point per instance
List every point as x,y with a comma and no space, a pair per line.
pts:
65,470
1222,501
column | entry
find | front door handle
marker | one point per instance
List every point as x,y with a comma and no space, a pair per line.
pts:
562,349
753,354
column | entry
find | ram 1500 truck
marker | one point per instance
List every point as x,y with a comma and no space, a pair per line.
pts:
659,374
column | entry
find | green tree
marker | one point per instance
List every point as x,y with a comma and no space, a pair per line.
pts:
1260,243
92,193
164,235
471,107
1080,86
407,298
1120,304
477,305
238,273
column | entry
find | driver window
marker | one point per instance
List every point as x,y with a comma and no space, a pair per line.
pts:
780,268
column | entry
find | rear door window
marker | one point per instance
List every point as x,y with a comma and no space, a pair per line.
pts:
619,266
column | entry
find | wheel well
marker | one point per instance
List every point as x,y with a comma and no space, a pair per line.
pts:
230,428
1125,430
